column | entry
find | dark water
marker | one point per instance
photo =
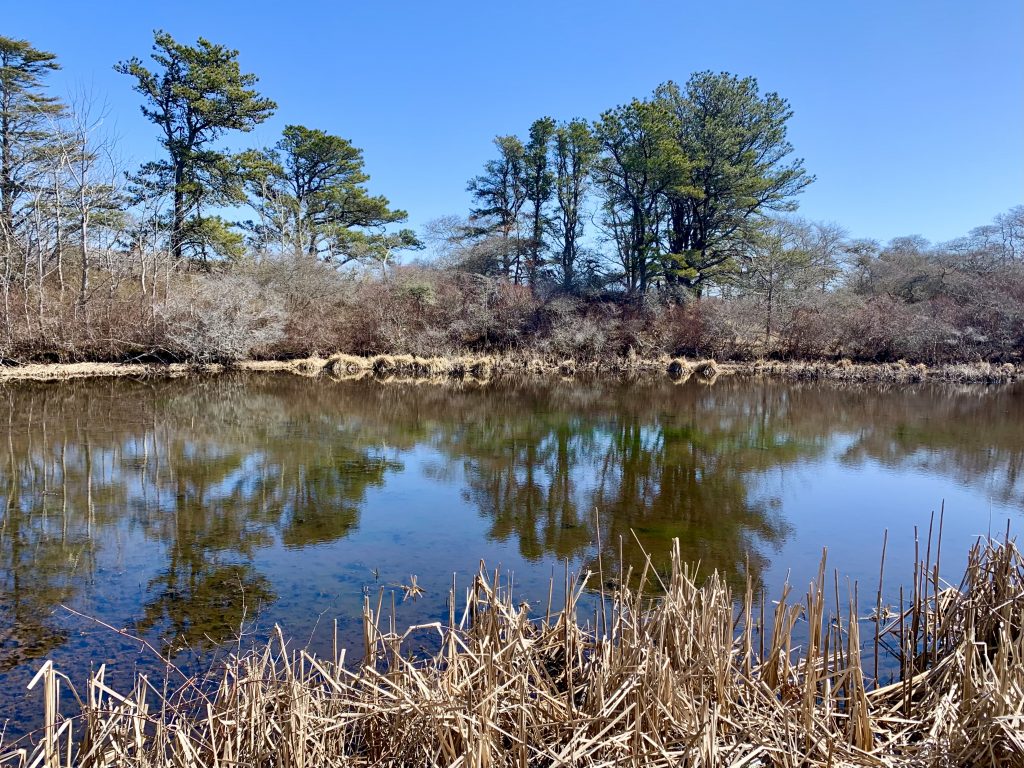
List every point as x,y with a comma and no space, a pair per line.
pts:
179,510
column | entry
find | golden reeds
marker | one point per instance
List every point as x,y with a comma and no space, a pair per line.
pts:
687,677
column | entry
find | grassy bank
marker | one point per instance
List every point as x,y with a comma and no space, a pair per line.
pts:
694,677
483,368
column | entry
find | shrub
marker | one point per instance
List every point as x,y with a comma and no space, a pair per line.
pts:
569,330
222,318
701,328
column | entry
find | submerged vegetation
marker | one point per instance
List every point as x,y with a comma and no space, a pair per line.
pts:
663,227
695,675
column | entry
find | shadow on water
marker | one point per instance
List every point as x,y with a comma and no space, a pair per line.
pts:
170,507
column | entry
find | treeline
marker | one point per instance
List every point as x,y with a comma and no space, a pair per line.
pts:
664,226
682,184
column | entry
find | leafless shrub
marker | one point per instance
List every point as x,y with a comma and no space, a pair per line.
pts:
222,318
701,328
568,329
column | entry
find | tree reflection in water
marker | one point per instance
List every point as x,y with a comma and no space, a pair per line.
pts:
656,469
213,473
211,470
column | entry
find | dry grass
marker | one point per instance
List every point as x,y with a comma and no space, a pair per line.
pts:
706,369
484,367
691,677
62,371
347,365
899,372
679,369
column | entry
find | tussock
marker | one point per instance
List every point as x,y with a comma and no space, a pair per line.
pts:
706,369
341,365
678,369
535,366
691,677
474,367
311,366
412,367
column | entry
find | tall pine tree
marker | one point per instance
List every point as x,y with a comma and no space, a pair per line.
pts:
739,170
26,121
500,194
195,96
538,182
574,152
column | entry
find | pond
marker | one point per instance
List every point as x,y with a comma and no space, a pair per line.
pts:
179,510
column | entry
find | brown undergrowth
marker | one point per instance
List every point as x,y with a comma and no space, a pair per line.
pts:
684,674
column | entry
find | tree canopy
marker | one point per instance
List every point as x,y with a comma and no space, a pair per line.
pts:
738,171
684,181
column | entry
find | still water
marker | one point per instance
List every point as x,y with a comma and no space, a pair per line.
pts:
180,510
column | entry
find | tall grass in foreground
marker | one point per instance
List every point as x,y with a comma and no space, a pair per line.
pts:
691,677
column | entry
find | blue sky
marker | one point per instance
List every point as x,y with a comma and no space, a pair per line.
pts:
911,114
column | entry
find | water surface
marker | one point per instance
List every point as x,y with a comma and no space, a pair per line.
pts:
180,510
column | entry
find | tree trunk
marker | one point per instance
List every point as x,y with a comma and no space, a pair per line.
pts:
178,224
83,289
58,221
6,180
40,301
538,231
8,330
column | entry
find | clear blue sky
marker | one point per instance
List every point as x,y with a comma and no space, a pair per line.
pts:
910,113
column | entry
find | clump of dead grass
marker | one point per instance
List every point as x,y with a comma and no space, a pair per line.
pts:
678,368
706,369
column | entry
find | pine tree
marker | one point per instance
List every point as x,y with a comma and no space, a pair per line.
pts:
739,170
196,96
574,152
310,196
640,161
500,193
538,181
26,118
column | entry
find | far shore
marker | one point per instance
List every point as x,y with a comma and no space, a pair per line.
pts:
486,367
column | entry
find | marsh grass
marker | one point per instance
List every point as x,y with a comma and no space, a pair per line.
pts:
439,368
899,372
665,672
